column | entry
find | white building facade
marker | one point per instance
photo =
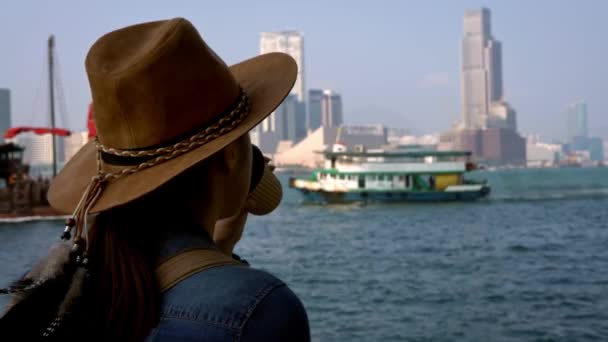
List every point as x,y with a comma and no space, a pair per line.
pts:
38,148
289,120
291,43
74,143
542,154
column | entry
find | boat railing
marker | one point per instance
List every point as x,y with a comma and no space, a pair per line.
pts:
401,160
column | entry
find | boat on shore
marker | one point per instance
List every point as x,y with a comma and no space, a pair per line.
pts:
401,175
23,196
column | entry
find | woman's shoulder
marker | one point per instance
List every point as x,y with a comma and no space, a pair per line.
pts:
235,299
227,284
279,317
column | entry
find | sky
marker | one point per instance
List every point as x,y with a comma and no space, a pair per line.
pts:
394,62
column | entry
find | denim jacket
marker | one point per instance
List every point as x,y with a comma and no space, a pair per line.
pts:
227,303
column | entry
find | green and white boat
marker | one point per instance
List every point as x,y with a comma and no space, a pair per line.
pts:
401,175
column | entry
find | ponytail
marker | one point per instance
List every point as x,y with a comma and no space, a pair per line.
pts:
115,297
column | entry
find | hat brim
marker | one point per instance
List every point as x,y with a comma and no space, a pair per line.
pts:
266,79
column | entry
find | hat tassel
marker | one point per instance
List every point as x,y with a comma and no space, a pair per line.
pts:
78,222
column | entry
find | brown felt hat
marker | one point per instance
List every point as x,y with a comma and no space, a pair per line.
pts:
163,101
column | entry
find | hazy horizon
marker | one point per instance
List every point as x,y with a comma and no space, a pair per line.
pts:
396,64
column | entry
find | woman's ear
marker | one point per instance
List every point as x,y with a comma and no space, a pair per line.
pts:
228,158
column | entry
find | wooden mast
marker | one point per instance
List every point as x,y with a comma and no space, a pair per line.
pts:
52,101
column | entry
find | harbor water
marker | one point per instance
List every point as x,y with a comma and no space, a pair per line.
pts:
528,264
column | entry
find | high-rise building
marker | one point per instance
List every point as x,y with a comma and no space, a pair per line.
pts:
278,123
502,116
39,148
315,100
287,123
495,146
331,109
73,143
577,121
596,149
481,75
324,109
578,133
5,112
291,119
291,43
489,123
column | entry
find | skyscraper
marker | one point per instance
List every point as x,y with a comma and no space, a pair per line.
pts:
315,100
277,123
578,132
39,148
481,75
596,149
489,123
291,43
291,119
73,143
577,121
331,109
5,112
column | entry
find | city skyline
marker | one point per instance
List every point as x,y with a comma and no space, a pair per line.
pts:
395,68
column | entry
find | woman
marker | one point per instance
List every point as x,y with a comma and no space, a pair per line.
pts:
169,182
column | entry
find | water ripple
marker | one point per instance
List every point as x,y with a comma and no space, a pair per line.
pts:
510,269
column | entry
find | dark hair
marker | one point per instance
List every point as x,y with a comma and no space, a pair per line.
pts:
119,297
123,298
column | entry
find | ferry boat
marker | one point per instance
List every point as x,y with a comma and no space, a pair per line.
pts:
402,175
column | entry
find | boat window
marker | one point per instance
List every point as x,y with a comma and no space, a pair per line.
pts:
408,181
381,177
401,178
361,182
389,177
341,176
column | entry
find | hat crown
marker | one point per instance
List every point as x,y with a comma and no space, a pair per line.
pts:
153,83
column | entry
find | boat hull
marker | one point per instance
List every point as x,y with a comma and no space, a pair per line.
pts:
393,196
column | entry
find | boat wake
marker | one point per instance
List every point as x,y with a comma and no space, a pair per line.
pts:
547,195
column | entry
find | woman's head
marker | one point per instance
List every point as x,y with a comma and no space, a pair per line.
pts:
213,189
232,167
163,101
172,147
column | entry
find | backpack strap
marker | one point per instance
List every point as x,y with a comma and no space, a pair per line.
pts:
184,264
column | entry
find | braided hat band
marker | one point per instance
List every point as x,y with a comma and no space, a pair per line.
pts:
151,157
